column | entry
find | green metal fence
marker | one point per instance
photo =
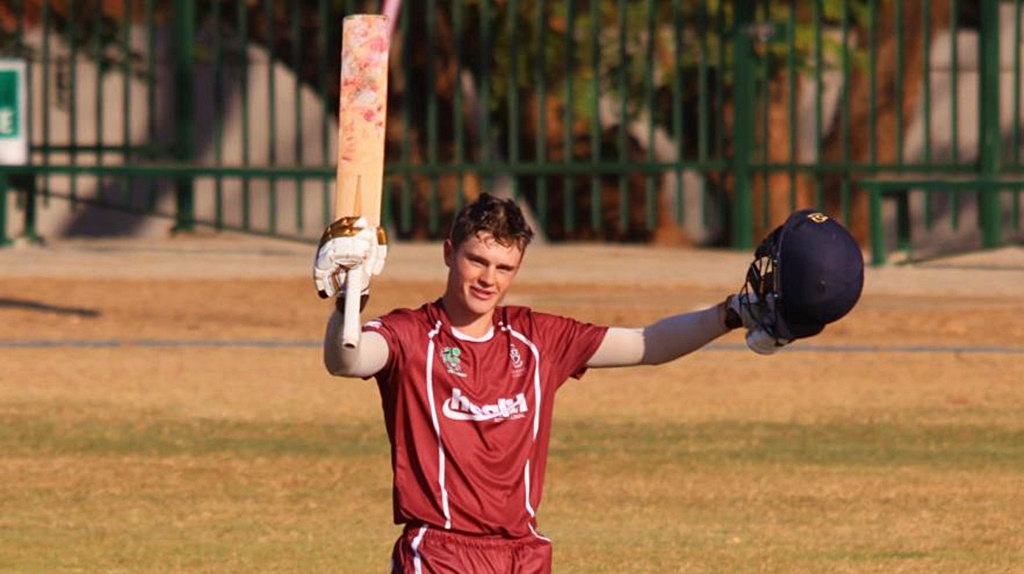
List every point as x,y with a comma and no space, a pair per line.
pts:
622,120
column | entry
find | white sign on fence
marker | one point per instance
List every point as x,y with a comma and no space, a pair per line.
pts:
13,112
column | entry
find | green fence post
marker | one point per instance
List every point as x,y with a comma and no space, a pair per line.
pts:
989,136
184,110
878,255
743,132
4,240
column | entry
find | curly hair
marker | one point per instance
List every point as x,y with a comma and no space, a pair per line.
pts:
501,218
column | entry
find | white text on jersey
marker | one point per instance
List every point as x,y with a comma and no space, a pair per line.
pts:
460,408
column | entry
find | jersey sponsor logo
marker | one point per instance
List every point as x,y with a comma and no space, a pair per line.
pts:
460,408
452,362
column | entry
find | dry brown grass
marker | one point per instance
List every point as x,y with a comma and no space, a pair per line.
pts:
196,459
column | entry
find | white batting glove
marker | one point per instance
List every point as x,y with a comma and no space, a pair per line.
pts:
348,245
764,343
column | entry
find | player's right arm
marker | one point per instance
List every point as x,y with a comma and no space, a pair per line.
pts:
350,246
364,360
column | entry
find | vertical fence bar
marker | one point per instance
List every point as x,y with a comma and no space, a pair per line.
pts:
540,78
764,97
844,118
219,111
989,134
1016,137
29,231
704,105
899,88
4,239
568,191
458,114
327,52
725,216
678,125
744,102
791,75
296,63
512,24
152,137
126,107
184,110
954,122
405,203
71,90
623,141
433,201
47,65
487,54
954,88
719,107
650,178
819,120
244,60
926,83
873,83
96,53
595,115
270,15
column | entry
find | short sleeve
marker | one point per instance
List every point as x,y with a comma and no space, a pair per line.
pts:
567,343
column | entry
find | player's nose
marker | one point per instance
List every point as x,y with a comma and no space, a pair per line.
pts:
487,275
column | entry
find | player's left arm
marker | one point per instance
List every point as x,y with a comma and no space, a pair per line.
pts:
665,340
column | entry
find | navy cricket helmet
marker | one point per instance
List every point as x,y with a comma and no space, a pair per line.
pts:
807,273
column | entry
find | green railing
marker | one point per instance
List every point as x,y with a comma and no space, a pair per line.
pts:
619,120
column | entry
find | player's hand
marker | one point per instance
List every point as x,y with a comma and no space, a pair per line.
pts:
348,245
762,342
742,310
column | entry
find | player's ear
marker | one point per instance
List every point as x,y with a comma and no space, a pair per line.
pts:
449,252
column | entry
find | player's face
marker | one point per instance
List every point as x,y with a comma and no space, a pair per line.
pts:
480,272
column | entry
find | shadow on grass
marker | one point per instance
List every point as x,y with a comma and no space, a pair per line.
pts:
47,308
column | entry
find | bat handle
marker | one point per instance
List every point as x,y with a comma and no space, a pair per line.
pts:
351,327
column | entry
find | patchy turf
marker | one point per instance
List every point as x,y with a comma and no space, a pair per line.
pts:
238,459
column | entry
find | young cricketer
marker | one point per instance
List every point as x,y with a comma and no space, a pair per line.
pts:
468,390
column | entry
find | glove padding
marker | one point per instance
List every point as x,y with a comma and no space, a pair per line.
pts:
349,245
743,310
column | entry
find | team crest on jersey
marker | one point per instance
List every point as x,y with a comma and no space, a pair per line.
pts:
452,362
518,367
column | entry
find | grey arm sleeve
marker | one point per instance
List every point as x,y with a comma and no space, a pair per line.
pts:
660,342
365,360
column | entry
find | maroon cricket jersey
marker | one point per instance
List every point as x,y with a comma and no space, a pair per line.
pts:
469,420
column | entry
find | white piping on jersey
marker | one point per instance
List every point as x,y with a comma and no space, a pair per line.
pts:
529,507
437,427
417,560
536,420
536,377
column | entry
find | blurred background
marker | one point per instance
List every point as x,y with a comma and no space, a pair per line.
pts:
677,122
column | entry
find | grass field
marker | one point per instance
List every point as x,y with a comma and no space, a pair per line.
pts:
188,426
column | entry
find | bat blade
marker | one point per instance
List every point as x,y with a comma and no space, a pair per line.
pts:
362,119
362,116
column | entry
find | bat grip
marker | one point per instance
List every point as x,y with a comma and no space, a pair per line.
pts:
351,327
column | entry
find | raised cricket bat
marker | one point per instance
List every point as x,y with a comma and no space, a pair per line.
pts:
362,116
